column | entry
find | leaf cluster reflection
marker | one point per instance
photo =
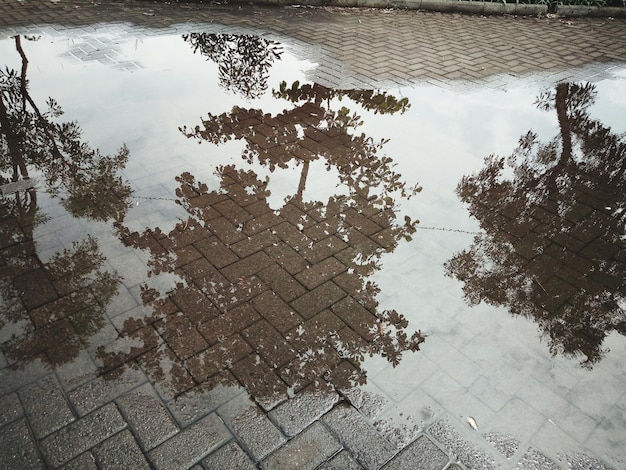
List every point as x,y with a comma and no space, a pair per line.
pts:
275,299
553,243
51,307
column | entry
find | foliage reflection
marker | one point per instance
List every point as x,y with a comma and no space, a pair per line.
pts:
51,308
275,300
552,246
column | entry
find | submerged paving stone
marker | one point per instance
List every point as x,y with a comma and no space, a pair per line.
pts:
231,219
421,453
369,447
251,426
302,410
305,451
147,416
191,445
104,389
342,461
465,451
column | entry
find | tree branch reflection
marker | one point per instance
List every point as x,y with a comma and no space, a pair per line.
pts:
553,244
51,308
274,300
243,60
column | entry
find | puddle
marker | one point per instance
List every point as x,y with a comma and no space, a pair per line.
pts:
190,206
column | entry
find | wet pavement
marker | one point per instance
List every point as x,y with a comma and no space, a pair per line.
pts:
234,238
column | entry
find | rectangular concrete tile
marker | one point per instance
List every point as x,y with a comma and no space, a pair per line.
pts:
369,447
11,380
77,437
421,453
307,406
251,426
191,445
81,370
318,299
203,399
46,407
85,461
147,416
342,461
17,447
229,456
10,408
121,451
104,389
306,451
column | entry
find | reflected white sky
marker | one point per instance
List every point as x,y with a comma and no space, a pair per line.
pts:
469,361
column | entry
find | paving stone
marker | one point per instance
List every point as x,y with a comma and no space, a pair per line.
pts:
45,406
276,311
321,272
77,437
11,380
105,389
227,457
251,426
269,343
342,461
120,451
318,299
17,447
78,372
308,405
421,453
218,357
10,408
149,419
204,398
246,267
85,461
367,446
305,451
282,283
191,445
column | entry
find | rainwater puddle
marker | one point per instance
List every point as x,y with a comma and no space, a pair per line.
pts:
192,208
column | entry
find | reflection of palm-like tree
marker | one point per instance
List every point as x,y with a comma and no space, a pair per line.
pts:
51,307
243,60
553,244
273,300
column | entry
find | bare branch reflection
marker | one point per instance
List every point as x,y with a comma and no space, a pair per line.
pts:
51,306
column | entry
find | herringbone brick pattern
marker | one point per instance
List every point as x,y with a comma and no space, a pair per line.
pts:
409,45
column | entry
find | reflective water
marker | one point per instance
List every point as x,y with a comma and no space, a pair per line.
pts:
193,208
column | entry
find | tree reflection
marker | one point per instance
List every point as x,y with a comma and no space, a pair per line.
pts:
274,300
553,244
51,308
243,60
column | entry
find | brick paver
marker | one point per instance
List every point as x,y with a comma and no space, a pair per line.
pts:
410,45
